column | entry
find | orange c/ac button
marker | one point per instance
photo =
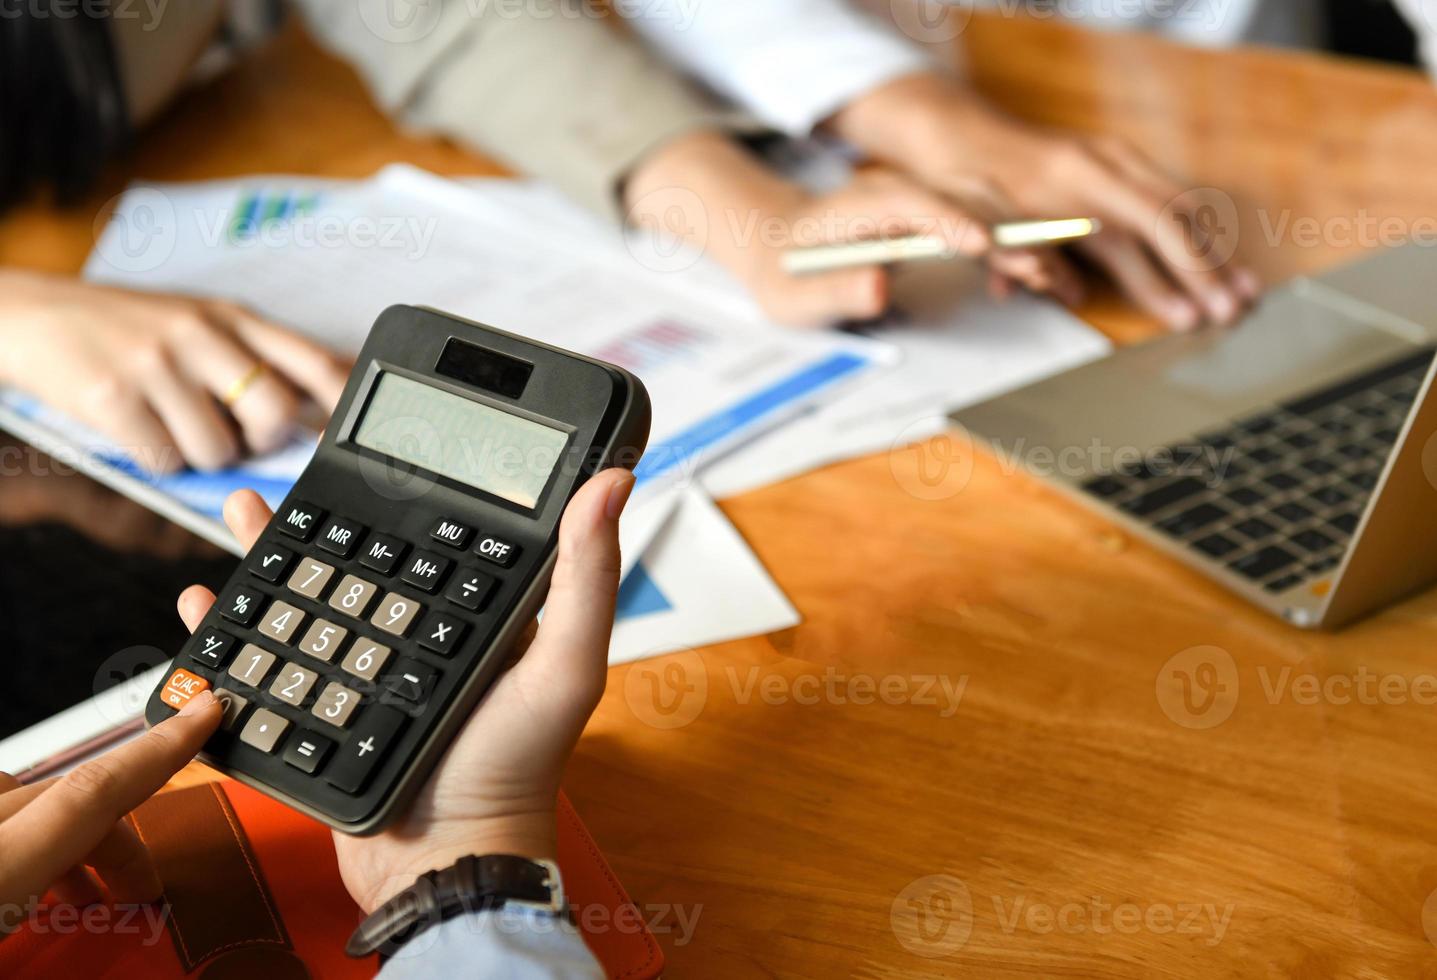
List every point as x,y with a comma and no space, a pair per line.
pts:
182,686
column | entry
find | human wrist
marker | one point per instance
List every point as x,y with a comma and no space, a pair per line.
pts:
916,119
532,836
719,190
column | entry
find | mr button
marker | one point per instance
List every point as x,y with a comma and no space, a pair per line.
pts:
182,686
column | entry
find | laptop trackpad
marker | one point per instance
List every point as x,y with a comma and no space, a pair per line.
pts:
1281,352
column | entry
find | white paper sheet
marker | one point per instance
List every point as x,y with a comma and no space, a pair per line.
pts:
698,583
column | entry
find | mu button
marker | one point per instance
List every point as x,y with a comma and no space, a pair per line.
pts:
452,533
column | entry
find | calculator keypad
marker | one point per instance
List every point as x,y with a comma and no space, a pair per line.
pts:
336,636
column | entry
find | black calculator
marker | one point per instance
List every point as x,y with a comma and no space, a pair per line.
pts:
388,590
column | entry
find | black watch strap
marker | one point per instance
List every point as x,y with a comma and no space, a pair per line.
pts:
471,884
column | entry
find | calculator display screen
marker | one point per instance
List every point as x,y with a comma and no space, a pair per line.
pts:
473,443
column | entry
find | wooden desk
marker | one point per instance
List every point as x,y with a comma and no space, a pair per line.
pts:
1292,838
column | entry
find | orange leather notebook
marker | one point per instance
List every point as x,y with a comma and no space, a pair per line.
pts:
252,889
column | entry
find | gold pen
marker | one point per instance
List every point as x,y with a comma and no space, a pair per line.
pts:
922,248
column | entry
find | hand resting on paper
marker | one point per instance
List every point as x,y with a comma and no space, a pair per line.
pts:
173,380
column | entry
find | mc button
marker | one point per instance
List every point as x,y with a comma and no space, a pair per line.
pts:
300,520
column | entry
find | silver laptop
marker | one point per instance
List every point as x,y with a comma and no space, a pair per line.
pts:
1293,458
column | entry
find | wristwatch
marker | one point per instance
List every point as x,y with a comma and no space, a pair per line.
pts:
471,884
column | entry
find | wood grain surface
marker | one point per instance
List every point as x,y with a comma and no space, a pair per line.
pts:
977,755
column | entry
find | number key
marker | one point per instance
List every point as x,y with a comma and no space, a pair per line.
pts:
323,640
281,621
234,706
310,578
366,659
353,596
252,664
335,705
395,614
293,684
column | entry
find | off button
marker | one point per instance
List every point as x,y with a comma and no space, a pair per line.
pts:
497,550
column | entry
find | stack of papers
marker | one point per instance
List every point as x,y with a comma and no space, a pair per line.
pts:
738,402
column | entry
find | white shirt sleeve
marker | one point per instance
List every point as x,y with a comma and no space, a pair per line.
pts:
792,63
1422,15
507,944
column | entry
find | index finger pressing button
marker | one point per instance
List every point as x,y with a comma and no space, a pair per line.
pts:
182,686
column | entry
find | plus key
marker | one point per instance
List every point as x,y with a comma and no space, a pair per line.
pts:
369,742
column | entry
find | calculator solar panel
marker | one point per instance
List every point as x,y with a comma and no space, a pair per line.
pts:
384,596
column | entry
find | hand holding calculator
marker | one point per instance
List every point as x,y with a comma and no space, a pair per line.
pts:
384,596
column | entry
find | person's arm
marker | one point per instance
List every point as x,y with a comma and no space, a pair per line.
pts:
808,64
792,63
554,90
548,87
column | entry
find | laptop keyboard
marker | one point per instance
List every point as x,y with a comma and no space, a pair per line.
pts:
1275,496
